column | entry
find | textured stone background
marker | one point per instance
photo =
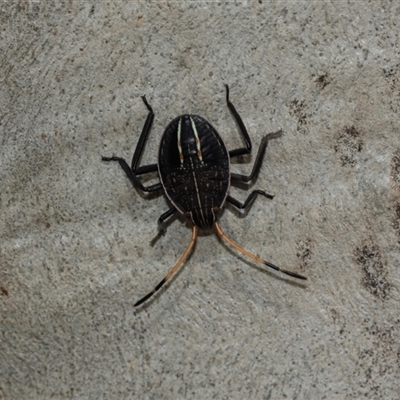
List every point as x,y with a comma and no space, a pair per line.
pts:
74,244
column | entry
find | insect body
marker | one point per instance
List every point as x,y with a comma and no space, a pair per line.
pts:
194,170
193,165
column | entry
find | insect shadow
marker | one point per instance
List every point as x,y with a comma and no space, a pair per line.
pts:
194,171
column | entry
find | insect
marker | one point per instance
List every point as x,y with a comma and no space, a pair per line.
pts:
194,171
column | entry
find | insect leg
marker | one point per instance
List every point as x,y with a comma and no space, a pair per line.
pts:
258,161
247,149
143,137
249,201
133,171
174,268
243,130
161,224
132,176
253,256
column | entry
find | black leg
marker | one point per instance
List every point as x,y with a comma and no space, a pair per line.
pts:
133,171
146,168
258,161
134,179
249,201
143,137
246,150
243,130
161,224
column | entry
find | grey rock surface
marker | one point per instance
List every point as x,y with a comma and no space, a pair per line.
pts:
74,244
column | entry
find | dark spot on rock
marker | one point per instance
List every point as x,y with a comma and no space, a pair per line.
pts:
304,252
396,221
392,76
374,272
379,358
298,109
395,168
323,80
4,290
348,144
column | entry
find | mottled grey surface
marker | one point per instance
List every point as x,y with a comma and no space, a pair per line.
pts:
75,235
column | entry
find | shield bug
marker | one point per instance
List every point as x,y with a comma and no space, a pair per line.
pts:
194,171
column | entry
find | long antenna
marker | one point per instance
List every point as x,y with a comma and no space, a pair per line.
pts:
252,256
195,232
